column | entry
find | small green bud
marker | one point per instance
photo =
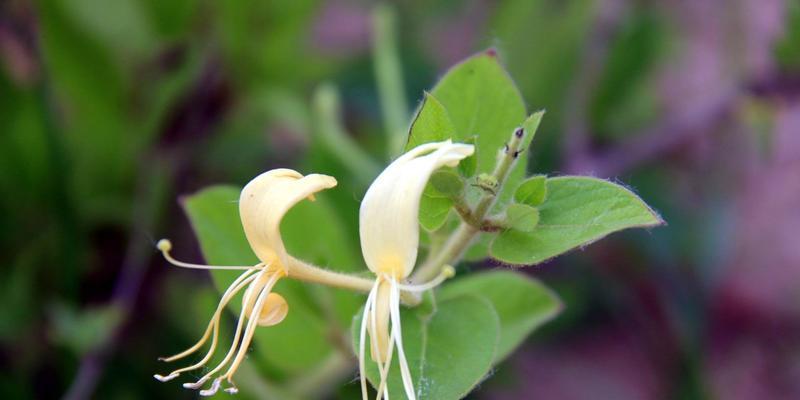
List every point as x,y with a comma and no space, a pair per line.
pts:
488,183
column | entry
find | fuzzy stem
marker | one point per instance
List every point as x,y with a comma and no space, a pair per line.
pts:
459,241
304,271
389,77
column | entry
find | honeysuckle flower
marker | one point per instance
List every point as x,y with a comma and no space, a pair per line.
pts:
262,204
389,231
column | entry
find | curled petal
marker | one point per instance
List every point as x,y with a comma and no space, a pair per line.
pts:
273,312
266,199
388,218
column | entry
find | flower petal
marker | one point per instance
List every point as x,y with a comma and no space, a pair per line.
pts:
389,226
266,199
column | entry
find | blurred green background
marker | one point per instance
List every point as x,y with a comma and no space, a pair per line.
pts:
110,111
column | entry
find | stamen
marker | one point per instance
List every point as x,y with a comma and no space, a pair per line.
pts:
231,389
196,385
236,335
234,288
363,338
374,342
251,327
394,310
167,378
447,272
383,362
384,369
165,246
229,294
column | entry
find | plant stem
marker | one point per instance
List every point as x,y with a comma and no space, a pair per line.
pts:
328,127
389,77
459,241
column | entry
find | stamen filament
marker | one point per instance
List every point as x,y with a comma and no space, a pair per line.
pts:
234,288
397,332
383,366
251,327
446,273
165,246
363,337
384,369
263,290
236,335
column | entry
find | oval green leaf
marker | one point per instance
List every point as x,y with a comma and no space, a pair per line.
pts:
522,303
578,210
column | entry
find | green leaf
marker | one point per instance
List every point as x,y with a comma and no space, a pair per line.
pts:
522,303
578,211
468,165
522,217
449,346
300,342
214,215
447,183
475,102
481,100
437,198
434,208
531,191
431,124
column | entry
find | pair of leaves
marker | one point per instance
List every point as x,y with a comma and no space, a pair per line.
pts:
452,341
475,102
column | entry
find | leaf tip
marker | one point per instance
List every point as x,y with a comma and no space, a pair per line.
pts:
658,220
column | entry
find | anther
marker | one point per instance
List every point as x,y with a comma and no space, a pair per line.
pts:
164,245
195,385
213,389
232,390
167,378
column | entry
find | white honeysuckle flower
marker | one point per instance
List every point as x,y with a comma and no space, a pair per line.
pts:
262,204
389,230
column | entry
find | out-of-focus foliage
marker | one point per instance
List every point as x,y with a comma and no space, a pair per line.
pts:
111,110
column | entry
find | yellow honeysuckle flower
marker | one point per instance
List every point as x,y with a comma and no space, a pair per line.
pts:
262,204
389,230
